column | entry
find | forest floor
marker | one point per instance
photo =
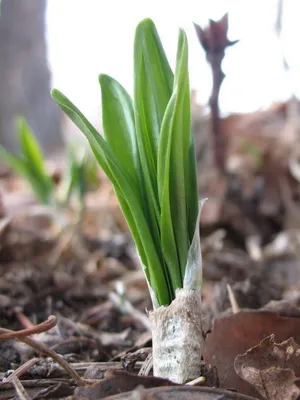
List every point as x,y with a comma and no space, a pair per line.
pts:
73,302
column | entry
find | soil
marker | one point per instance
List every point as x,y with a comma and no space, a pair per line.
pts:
78,293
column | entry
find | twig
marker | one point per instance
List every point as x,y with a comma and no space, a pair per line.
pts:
22,369
147,365
197,381
19,388
43,327
24,321
44,350
234,304
219,142
214,41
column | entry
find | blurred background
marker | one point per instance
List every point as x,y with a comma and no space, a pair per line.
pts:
244,73
84,40
66,44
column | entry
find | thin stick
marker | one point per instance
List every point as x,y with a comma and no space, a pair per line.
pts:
234,304
22,369
45,350
43,327
218,139
24,321
19,388
147,365
197,381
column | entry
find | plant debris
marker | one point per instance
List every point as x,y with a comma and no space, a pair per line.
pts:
273,369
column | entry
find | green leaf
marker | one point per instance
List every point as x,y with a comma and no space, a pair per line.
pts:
86,128
153,81
31,164
174,168
190,170
34,161
118,124
168,240
13,161
192,199
21,167
70,178
127,196
30,148
81,173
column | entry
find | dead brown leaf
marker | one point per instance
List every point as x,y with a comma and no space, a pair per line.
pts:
179,393
118,382
235,334
272,368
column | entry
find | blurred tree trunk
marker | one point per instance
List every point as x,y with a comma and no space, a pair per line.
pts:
24,74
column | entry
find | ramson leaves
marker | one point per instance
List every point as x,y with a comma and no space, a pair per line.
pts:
148,154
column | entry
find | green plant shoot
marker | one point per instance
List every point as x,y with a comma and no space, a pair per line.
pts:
148,154
80,175
31,163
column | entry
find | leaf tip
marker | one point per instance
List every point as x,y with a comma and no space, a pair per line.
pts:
145,25
20,122
54,93
146,22
102,78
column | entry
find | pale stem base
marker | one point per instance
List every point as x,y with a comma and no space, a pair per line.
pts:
176,336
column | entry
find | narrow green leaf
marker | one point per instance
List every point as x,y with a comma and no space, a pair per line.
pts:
152,85
192,199
127,195
118,124
69,178
13,161
191,182
168,240
85,126
21,167
35,161
30,147
153,81
173,168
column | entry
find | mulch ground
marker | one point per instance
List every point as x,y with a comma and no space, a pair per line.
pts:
73,300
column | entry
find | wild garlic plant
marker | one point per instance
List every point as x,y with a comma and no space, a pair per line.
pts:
147,152
79,177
